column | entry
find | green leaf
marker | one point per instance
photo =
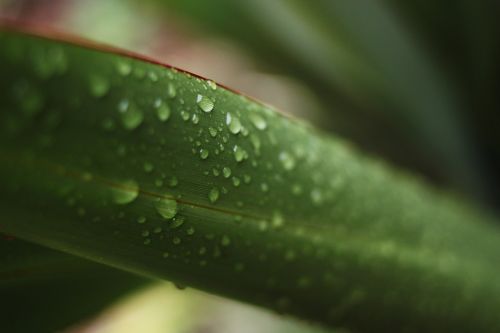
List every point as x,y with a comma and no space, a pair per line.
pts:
156,171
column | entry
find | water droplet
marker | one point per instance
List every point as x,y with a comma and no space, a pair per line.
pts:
226,172
165,254
163,112
204,154
258,121
131,116
236,181
213,195
287,160
277,220
225,240
190,231
148,167
212,84
126,192
176,240
177,222
195,119
239,153
233,123
205,103
173,182
166,207
316,197
123,67
99,86
212,131
171,91
263,225
185,115
141,220
254,139
153,76
264,187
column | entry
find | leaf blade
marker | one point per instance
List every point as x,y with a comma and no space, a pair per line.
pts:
317,231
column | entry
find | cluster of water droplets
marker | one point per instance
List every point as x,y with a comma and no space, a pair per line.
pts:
236,151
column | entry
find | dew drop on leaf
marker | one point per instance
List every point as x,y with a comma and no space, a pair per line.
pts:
258,121
125,192
226,172
212,131
130,115
166,207
277,220
153,76
148,167
171,91
99,86
236,181
233,123
287,160
212,85
205,103
123,67
177,222
163,112
185,115
225,241
195,119
316,197
213,195
204,153
173,182
239,153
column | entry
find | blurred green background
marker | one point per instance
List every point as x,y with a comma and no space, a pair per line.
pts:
415,82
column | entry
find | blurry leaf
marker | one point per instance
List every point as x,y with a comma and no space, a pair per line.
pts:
43,290
156,171
360,58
